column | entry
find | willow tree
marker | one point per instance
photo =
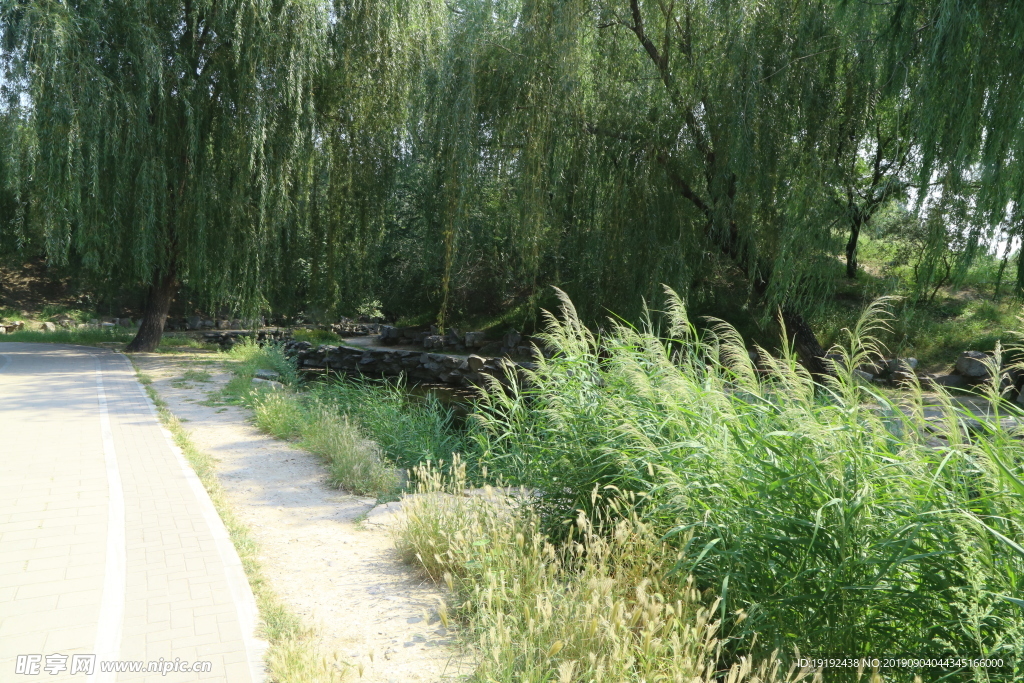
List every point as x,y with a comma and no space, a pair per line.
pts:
612,146
647,142
167,131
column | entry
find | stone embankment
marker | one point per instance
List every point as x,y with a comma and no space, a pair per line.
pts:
422,366
418,354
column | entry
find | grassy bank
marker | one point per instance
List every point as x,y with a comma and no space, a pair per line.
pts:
830,520
369,434
693,514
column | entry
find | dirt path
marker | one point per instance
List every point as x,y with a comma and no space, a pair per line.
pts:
324,562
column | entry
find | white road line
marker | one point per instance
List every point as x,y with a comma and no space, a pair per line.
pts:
238,583
111,618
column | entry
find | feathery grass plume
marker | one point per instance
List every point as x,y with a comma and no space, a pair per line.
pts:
597,608
832,521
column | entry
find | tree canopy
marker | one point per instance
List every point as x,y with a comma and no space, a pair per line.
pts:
461,157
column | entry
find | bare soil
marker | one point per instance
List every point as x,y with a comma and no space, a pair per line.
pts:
316,549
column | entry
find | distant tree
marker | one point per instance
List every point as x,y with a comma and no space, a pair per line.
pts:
167,131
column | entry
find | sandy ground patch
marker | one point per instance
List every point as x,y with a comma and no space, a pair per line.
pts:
324,562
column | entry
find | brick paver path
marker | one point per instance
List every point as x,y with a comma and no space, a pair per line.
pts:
108,543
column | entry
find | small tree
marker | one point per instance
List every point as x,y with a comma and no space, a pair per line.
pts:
167,130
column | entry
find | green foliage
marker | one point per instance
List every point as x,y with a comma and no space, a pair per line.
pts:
316,336
250,356
86,337
825,519
143,147
409,430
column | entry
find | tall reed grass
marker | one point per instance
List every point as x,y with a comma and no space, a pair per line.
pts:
599,607
836,519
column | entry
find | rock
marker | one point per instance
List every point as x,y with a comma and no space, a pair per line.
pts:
899,364
476,363
194,322
272,375
385,515
223,324
971,365
474,340
861,374
950,382
124,322
434,341
208,324
903,377
389,335
877,369
266,383
3,330
49,327
526,351
492,349
511,340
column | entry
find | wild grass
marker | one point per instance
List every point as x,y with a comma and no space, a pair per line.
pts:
316,336
599,607
827,519
310,418
173,342
294,655
409,430
84,337
194,375
354,462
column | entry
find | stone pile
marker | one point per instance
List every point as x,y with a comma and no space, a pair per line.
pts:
511,345
422,366
11,328
346,327
227,340
199,322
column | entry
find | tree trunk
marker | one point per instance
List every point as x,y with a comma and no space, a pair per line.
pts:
851,250
806,344
158,303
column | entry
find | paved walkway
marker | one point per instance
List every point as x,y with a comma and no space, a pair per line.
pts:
108,544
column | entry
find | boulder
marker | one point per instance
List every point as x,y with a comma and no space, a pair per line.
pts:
194,322
389,335
951,382
49,327
862,375
124,322
492,349
897,364
223,324
266,383
272,375
511,340
877,368
971,365
433,341
476,363
474,339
